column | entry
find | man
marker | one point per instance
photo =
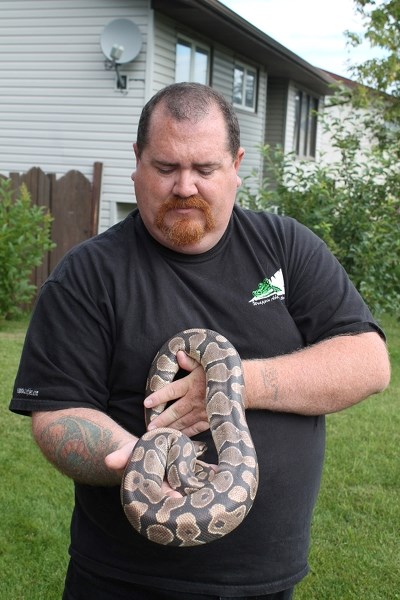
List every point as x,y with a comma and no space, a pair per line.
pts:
189,258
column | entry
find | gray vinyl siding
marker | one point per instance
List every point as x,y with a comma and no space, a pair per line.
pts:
58,106
252,127
164,53
252,124
222,72
276,111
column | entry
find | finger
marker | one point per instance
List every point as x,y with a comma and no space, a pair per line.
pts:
183,413
178,388
168,491
117,460
185,421
171,415
186,362
171,391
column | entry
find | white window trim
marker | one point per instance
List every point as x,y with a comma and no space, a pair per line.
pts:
246,68
194,45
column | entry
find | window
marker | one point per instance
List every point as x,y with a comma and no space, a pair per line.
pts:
244,87
192,62
305,126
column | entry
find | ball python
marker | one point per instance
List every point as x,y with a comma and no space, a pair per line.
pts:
213,502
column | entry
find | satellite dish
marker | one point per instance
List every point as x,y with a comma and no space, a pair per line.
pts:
121,41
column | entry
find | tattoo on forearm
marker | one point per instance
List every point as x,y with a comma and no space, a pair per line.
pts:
78,448
270,379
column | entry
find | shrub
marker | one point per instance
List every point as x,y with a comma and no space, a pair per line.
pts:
24,238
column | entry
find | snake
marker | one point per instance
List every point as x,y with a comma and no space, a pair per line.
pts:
213,500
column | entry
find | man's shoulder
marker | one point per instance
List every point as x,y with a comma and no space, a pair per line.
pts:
101,250
265,220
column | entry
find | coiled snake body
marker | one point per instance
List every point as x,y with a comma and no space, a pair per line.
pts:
213,502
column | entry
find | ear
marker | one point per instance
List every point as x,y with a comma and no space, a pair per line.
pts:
135,149
236,164
238,159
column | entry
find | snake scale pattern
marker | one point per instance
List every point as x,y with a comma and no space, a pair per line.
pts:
213,502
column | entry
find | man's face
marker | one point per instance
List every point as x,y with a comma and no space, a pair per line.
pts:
186,181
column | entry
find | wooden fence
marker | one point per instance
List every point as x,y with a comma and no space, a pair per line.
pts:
73,202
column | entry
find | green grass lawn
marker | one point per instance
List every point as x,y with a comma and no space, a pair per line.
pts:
35,500
355,550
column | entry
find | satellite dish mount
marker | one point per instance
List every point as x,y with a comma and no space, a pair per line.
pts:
120,42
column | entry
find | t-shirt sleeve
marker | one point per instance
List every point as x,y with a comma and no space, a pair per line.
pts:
321,299
68,347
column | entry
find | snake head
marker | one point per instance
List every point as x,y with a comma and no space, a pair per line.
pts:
200,448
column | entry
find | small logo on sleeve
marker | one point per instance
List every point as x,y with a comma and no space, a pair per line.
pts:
27,392
269,289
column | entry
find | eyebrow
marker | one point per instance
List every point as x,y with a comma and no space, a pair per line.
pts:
201,165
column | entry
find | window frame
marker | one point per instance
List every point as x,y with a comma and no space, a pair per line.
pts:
195,46
305,124
247,70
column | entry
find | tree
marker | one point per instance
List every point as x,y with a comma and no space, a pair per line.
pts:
381,19
24,238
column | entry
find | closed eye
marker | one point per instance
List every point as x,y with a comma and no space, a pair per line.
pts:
205,172
165,170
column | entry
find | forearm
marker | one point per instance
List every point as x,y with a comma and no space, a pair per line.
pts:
321,379
77,442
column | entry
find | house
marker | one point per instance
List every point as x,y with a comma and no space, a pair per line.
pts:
61,109
352,120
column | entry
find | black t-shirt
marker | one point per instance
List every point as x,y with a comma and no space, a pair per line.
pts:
271,287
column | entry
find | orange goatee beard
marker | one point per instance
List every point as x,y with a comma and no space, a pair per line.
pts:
185,230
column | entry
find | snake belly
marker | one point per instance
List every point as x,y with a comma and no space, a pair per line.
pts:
213,503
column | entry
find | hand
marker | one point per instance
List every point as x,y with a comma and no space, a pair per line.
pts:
117,461
188,412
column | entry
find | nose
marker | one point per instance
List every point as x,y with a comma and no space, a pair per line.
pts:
184,184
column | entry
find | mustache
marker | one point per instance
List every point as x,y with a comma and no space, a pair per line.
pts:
189,202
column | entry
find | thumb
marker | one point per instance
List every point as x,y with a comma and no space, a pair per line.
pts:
118,460
187,363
